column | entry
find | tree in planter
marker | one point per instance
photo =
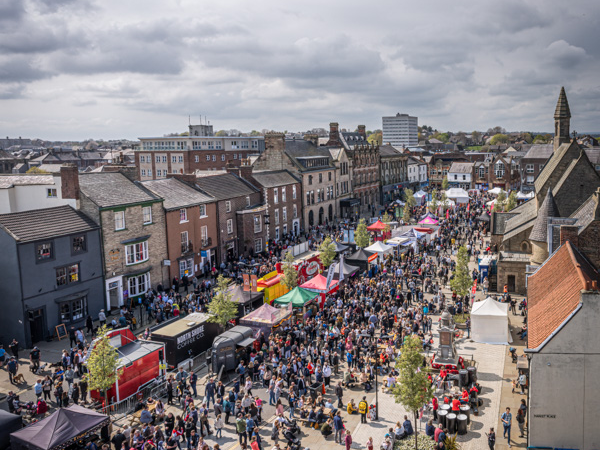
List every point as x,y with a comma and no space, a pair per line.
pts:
361,236
511,203
103,364
406,213
445,184
221,308
413,390
386,219
499,204
327,252
290,275
461,282
434,202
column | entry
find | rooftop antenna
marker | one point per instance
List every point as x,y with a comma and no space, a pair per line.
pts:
189,120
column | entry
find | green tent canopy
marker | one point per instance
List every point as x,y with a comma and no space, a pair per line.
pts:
298,296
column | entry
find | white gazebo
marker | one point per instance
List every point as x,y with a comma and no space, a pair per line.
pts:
496,191
457,194
489,322
420,197
380,248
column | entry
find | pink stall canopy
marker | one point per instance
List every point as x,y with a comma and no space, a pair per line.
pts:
428,221
319,284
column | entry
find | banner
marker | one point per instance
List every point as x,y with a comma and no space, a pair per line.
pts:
330,275
253,282
246,282
341,268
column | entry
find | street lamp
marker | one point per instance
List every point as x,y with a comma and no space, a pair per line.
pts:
367,335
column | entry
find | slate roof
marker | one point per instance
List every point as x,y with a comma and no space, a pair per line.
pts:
562,106
523,215
109,189
40,224
274,178
593,155
388,151
554,292
539,233
540,151
500,219
586,213
225,186
458,167
176,194
552,164
8,181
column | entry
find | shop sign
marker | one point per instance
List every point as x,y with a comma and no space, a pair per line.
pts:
312,268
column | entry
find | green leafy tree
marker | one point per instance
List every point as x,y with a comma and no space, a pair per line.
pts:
409,197
527,137
434,201
375,138
461,282
541,139
413,390
103,364
387,219
35,169
500,200
511,203
221,308
221,133
361,236
406,213
445,184
290,275
327,251
444,201
499,139
476,137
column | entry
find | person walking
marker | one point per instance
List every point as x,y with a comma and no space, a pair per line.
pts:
491,438
506,418
348,440
14,348
338,425
339,392
362,410
12,367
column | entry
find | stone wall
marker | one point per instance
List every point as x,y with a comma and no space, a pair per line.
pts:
506,268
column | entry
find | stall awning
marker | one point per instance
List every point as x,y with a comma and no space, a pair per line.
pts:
246,342
348,202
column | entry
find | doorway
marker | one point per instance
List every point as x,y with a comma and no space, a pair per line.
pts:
36,324
114,297
510,281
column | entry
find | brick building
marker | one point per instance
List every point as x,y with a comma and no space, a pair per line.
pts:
439,166
191,220
505,172
393,174
533,162
133,232
241,215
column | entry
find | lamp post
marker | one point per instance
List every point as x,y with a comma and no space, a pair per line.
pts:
367,335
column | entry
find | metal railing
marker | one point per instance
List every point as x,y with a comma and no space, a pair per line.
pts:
187,247
206,242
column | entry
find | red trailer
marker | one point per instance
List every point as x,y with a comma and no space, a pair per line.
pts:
142,361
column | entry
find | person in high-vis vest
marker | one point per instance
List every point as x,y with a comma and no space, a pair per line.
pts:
363,407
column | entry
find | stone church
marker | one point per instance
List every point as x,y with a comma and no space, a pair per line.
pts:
566,202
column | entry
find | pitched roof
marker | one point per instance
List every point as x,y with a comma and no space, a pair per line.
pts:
274,178
562,106
108,189
540,151
523,214
8,181
176,194
539,233
586,213
39,224
387,151
459,167
225,186
554,292
553,163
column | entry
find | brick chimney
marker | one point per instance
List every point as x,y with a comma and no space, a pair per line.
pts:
69,181
313,138
362,131
334,134
275,141
129,171
188,178
569,233
243,171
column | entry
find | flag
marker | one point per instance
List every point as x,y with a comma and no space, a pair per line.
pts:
246,282
341,277
447,214
253,283
468,206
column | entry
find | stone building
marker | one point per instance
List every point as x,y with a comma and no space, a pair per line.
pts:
393,174
567,181
346,204
134,240
191,220
533,162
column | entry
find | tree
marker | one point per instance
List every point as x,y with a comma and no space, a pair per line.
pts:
461,282
221,308
375,138
412,390
221,133
35,169
499,139
541,139
386,218
327,252
290,275
361,236
527,138
434,201
407,213
476,137
444,201
103,364
445,183
512,202
499,203
409,198
496,130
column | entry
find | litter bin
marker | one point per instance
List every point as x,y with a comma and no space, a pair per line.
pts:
315,390
461,424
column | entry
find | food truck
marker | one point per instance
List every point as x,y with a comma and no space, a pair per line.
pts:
229,348
186,337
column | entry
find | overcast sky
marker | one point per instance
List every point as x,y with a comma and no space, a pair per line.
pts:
77,69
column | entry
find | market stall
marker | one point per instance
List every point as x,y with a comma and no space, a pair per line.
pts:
230,347
489,322
301,300
270,286
74,425
428,221
381,249
346,269
246,300
319,285
379,230
267,319
9,423
362,258
340,248
458,195
420,197
496,191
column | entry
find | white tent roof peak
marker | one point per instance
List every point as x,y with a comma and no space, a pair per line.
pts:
378,247
489,307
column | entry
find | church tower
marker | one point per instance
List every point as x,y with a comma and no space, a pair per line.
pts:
562,120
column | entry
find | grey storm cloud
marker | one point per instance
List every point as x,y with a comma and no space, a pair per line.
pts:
459,65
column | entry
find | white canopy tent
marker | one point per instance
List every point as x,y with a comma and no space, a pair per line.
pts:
496,191
420,197
489,322
457,194
523,196
380,247
447,203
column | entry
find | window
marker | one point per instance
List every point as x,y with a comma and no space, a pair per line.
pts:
147,213
229,226
223,157
257,224
243,144
203,234
142,159
283,194
258,245
277,217
320,178
73,311
530,179
456,177
202,210
234,144
149,172
214,157
499,169
295,211
183,215
173,159
184,242
158,173
247,201
157,159
196,158
208,157
240,156
284,214
285,229
51,193
180,159
235,156
294,192
78,244
44,251
329,176
276,196
228,206
67,275
143,172
120,220
164,159
138,285
310,177
529,168
308,198
464,177
277,233
136,253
